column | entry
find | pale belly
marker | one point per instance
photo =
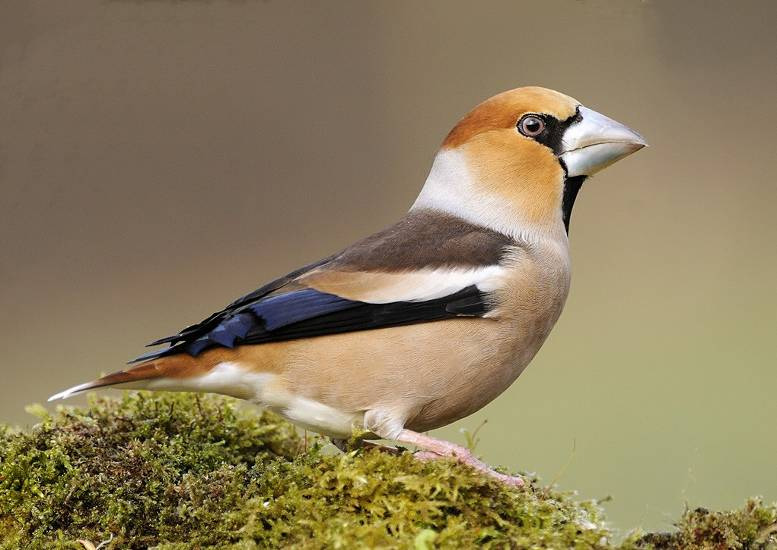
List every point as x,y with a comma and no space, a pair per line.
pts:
419,377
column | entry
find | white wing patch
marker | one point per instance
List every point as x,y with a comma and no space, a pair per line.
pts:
409,286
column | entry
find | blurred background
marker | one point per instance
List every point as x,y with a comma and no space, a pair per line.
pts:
160,158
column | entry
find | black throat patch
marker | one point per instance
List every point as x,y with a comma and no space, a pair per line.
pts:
571,189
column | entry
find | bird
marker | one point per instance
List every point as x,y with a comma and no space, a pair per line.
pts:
425,322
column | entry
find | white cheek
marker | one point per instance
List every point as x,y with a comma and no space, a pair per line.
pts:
450,188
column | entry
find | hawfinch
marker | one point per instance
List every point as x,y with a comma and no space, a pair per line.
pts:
426,321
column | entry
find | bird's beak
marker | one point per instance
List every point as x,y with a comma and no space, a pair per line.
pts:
595,141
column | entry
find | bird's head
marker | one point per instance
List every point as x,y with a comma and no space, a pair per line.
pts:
516,162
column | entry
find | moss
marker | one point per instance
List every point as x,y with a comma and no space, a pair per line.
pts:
177,471
752,527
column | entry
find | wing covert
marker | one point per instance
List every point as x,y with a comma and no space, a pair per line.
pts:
429,266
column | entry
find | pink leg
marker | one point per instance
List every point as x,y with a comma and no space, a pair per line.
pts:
433,449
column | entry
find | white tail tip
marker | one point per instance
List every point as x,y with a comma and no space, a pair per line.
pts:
70,392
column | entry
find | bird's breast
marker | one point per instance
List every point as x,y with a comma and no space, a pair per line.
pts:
527,304
533,288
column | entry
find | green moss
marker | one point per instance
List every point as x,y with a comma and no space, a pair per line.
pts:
752,527
176,471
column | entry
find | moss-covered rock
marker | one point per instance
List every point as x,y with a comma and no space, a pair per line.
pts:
179,471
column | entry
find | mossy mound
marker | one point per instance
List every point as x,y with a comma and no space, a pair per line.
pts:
754,526
181,471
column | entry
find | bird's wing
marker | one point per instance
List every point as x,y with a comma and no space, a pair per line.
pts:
428,267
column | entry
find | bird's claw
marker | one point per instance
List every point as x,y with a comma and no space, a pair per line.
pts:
464,456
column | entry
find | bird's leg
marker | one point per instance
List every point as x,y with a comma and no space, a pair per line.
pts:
341,444
434,449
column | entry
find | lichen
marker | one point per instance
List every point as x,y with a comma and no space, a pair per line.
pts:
179,471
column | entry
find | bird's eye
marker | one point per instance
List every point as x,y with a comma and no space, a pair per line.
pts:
531,125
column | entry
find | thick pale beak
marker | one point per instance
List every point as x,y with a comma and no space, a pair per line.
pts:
595,142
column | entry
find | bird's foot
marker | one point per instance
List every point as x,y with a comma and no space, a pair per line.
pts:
436,449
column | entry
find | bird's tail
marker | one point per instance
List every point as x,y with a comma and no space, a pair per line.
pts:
138,377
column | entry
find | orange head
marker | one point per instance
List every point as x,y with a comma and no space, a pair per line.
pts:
516,161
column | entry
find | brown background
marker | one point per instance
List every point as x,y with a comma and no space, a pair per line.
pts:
157,159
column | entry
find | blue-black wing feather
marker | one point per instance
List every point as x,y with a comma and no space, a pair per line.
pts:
306,313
